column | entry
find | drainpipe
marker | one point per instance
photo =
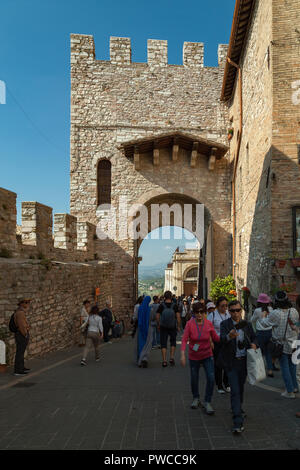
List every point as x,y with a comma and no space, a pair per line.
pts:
236,161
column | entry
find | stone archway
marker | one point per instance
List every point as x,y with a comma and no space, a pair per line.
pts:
185,203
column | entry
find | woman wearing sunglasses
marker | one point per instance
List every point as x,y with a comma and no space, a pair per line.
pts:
236,336
199,332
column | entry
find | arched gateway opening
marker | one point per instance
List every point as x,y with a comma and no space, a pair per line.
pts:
177,210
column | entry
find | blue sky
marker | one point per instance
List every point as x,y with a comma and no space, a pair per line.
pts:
35,66
157,251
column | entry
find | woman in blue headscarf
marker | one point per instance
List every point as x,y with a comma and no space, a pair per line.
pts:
144,333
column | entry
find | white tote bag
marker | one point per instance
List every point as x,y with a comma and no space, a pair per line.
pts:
255,366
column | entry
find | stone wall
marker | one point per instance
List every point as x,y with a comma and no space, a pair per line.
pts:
254,172
56,270
268,171
66,239
57,291
117,101
285,133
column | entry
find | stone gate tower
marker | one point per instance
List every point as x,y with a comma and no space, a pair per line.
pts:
148,133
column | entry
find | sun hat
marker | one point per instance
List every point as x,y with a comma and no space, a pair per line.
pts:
281,296
210,305
21,301
263,299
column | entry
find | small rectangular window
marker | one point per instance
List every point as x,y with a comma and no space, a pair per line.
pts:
296,229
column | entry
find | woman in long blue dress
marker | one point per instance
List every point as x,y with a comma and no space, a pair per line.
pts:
144,333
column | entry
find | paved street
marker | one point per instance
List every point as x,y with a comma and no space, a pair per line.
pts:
115,405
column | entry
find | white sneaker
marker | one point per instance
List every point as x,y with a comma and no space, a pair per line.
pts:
288,395
221,391
83,362
227,389
208,408
195,403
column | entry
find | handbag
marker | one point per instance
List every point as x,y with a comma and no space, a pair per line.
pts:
275,346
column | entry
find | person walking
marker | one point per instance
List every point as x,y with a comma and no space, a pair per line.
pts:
168,321
236,336
298,365
94,334
210,307
144,335
133,320
156,337
21,336
263,334
184,310
198,333
107,317
216,318
84,315
283,320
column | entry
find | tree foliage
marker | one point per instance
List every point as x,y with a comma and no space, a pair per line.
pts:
223,287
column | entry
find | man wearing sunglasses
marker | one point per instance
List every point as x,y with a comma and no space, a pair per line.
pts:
236,336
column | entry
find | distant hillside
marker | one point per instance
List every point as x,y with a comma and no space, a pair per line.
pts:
152,272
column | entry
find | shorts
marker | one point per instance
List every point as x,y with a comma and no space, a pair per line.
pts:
164,333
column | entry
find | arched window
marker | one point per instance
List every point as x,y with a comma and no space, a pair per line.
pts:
192,273
104,182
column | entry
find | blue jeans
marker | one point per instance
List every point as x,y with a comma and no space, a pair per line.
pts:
237,378
208,364
263,338
288,371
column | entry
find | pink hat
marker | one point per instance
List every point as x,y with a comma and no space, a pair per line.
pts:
263,299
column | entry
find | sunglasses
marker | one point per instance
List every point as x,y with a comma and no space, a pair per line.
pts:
237,310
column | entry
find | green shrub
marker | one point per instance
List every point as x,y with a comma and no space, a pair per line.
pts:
223,287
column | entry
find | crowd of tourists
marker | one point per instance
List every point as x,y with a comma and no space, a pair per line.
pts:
218,337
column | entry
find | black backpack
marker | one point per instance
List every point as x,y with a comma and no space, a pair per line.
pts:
12,326
168,317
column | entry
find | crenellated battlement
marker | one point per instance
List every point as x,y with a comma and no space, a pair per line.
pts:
83,51
64,239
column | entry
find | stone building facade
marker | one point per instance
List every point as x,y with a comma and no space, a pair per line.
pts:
182,272
267,173
163,129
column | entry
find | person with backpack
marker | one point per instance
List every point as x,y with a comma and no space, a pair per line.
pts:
216,317
168,321
20,327
107,320
198,333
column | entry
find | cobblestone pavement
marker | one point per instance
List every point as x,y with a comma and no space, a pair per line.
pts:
115,405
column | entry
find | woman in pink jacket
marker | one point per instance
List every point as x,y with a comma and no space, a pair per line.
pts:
200,333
